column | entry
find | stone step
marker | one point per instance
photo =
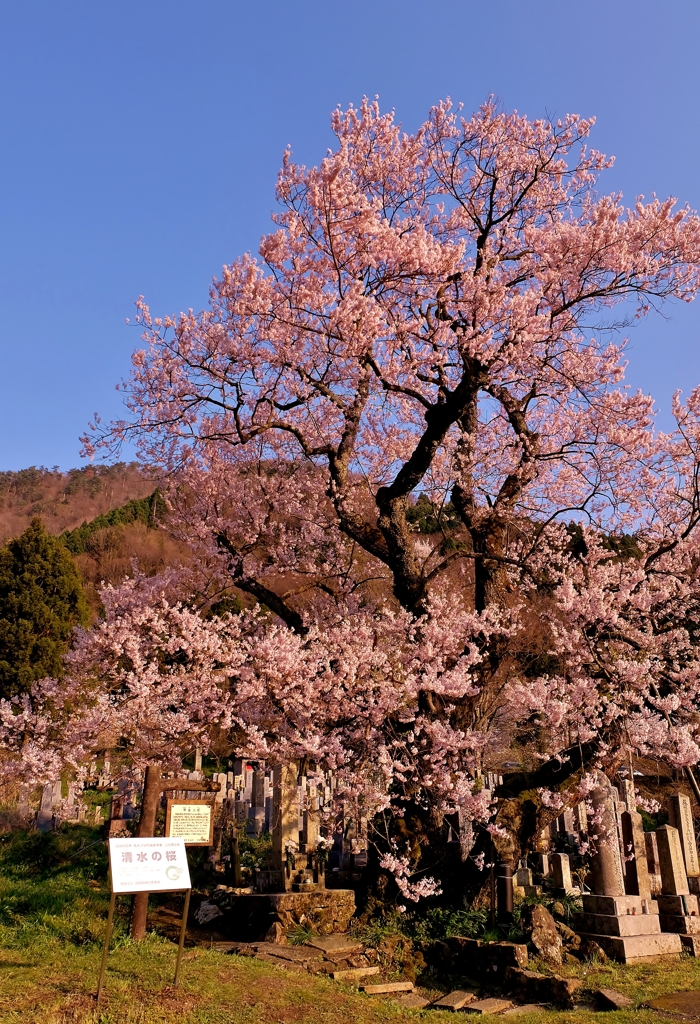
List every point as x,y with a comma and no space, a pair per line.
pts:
625,924
638,948
681,925
611,999
412,1001
516,1011
456,1000
618,905
387,987
492,1005
336,946
352,973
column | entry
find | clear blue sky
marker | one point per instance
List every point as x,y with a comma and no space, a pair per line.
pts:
141,140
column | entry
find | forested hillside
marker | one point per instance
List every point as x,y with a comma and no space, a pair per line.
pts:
105,515
66,500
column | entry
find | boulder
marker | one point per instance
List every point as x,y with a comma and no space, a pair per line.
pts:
276,934
497,956
568,936
540,926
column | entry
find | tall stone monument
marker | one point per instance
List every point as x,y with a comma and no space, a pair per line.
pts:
677,908
44,818
285,818
561,874
653,866
680,817
626,926
637,881
606,861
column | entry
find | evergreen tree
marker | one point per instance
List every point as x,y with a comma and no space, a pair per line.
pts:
41,600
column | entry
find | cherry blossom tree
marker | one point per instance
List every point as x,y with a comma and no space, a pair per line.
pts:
437,313
428,314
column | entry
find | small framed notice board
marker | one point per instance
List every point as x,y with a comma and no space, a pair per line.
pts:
190,820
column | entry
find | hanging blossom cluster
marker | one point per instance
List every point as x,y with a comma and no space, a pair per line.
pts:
400,868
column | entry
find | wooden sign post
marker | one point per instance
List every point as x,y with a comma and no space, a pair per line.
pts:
154,786
143,866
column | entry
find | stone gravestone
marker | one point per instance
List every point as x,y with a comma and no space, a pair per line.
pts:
523,876
606,863
44,819
541,862
116,825
129,809
580,820
653,867
23,808
220,778
620,809
268,802
310,829
627,794
285,818
256,813
681,818
561,873
677,908
673,878
637,881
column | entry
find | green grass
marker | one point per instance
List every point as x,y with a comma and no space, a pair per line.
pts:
53,907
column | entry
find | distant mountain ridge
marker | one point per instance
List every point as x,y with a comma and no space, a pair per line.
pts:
65,501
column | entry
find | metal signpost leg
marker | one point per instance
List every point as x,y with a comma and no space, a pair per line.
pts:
108,933
183,928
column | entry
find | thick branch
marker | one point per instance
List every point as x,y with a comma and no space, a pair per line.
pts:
259,591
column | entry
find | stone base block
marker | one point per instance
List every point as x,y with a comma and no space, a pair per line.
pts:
250,917
528,986
472,956
618,906
691,944
626,924
532,890
683,925
637,948
678,905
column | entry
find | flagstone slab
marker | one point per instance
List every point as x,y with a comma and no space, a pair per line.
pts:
685,1003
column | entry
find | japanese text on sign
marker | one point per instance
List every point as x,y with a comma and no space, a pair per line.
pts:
190,820
148,865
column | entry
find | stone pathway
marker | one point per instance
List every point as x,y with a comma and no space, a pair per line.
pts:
343,959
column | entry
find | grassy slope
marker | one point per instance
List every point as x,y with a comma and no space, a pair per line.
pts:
53,903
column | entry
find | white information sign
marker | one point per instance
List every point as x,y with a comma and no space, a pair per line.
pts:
148,865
